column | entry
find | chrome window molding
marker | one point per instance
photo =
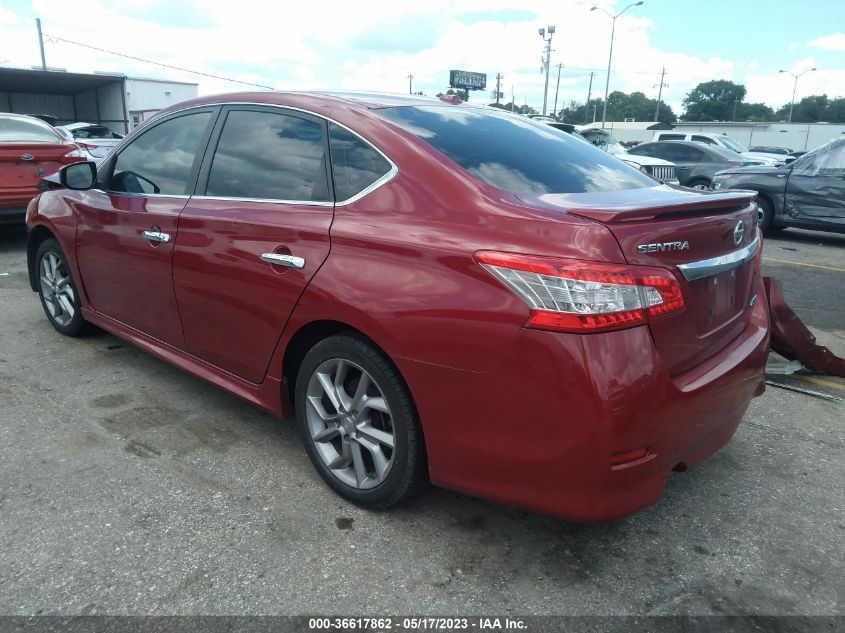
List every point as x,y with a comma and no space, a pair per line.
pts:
394,168
312,203
179,196
716,265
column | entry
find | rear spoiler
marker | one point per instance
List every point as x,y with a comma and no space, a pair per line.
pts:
702,204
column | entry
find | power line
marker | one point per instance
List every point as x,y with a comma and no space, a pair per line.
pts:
54,38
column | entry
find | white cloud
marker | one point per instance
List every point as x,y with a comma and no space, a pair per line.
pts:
375,44
835,42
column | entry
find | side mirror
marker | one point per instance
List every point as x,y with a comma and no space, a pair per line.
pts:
78,176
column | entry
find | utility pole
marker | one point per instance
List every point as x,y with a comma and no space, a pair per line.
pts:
557,90
545,63
660,94
736,102
498,86
41,44
587,107
410,84
513,99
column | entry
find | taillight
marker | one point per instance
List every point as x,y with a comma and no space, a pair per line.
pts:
578,296
73,156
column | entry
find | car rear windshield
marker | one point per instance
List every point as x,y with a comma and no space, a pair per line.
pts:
514,153
16,130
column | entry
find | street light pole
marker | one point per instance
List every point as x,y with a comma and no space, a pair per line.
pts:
411,84
794,88
548,51
610,56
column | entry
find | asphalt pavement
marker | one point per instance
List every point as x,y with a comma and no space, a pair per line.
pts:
129,487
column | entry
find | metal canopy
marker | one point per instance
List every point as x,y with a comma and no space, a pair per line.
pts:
52,82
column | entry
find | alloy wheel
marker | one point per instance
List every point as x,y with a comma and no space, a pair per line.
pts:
350,423
57,288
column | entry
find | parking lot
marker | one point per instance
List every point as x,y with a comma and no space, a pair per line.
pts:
129,487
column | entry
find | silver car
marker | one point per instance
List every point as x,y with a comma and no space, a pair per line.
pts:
95,140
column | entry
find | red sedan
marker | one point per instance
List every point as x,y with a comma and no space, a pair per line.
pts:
29,150
437,292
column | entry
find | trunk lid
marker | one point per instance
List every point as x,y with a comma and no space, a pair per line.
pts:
22,165
669,227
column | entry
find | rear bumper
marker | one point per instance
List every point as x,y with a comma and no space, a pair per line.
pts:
543,428
12,214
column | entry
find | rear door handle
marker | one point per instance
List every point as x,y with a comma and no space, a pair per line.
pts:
290,261
157,236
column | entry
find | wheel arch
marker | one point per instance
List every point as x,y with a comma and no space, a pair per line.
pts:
37,235
311,333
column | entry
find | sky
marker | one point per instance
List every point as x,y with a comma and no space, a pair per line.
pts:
376,44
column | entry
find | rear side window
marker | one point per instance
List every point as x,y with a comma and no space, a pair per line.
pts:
514,153
19,130
703,139
161,160
828,160
270,156
355,164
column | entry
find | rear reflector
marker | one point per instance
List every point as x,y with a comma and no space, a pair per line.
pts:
624,457
578,296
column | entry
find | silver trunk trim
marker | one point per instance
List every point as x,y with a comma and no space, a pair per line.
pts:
716,265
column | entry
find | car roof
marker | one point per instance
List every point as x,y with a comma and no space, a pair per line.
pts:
25,117
327,98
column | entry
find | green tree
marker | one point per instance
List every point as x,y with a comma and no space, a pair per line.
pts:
712,100
620,106
836,110
809,110
757,112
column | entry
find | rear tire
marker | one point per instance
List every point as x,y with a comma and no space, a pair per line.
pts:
58,291
359,424
700,185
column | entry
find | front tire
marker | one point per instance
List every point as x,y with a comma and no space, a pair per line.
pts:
766,220
358,422
57,290
700,185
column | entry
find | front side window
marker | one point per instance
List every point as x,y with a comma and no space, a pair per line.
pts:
161,160
270,156
21,130
513,152
355,164
672,137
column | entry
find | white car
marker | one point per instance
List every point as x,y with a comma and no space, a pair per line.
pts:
722,140
95,140
657,168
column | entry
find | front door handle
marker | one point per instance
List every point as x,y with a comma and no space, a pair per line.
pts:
157,236
290,261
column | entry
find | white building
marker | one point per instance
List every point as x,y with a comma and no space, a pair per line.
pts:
145,97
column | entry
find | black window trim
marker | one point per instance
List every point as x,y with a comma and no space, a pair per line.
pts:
109,164
205,169
239,105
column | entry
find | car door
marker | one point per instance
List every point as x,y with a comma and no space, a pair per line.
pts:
686,158
249,244
128,225
815,189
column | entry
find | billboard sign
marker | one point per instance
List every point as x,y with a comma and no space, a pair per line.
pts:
467,80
